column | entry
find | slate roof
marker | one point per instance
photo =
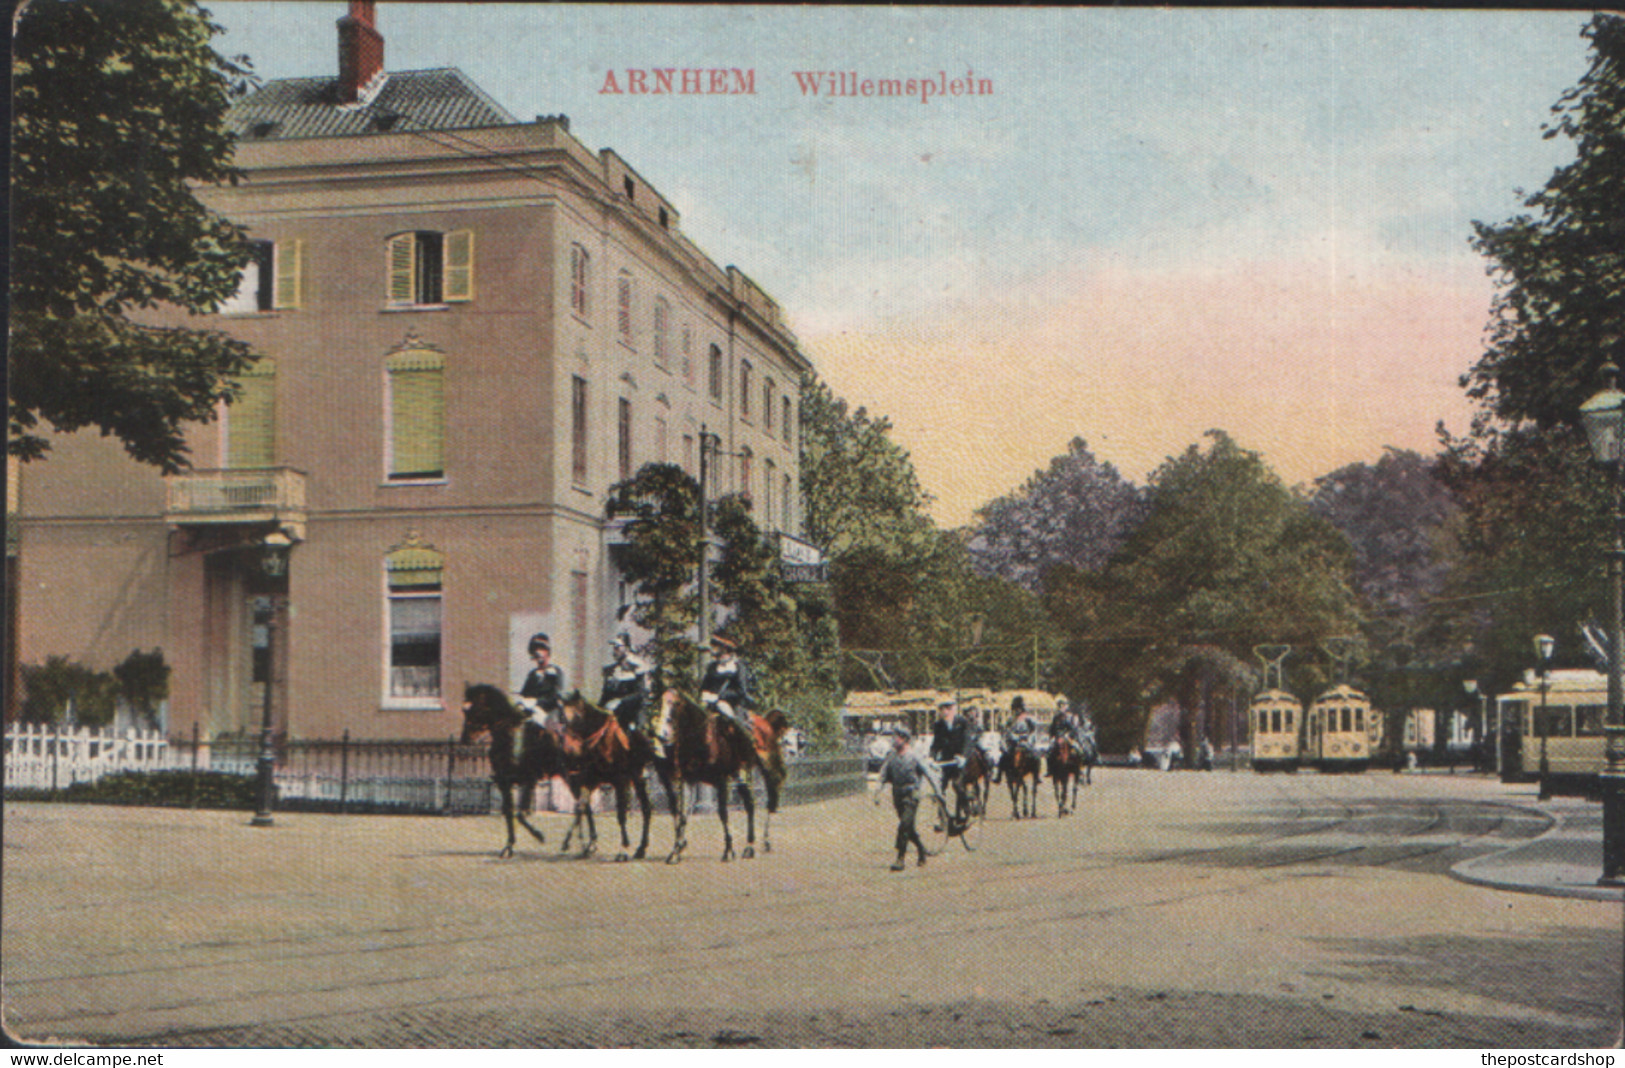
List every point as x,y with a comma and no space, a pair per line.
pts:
287,108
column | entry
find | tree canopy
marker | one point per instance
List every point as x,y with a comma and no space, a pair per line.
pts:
117,114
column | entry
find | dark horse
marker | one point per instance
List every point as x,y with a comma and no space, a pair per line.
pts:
598,751
710,749
1019,765
977,777
1065,769
522,752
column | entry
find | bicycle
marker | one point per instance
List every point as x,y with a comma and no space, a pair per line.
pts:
961,821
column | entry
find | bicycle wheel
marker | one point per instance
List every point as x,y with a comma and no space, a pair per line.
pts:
966,826
933,824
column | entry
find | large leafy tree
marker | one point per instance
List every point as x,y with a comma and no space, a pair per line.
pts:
1533,510
661,509
117,116
1078,511
1227,558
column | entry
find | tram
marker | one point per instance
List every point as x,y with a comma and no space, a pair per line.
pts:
1569,732
1339,729
1275,717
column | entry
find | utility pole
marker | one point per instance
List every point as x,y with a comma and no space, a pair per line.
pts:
704,582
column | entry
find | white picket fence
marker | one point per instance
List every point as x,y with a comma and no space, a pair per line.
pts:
47,758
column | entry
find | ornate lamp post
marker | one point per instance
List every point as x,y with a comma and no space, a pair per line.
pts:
1544,644
1604,419
274,552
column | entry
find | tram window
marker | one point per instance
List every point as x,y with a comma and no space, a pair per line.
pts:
1557,722
1591,719
1359,719
1275,720
1263,721
1348,718
1289,719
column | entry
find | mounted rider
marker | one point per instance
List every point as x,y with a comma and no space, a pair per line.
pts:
1022,728
1066,725
950,743
544,688
727,688
626,685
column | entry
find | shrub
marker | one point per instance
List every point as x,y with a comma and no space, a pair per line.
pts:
169,789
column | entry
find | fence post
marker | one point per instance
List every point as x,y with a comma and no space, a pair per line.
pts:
344,770
56,755
193,803
451,760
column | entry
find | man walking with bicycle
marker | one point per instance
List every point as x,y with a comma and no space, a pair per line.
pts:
905,772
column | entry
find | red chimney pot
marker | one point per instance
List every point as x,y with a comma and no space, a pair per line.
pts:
361,50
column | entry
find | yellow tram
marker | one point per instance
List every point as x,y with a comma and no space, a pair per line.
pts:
1275,718
1569,732
1340,730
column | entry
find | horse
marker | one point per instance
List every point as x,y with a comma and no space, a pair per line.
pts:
977,778
1089,753
522,754
1065,768
1018,765
598,751
709,749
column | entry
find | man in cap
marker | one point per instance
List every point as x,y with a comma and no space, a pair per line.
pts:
905,771
1022,727
727,684
626,684
1065,725
544,688
950,741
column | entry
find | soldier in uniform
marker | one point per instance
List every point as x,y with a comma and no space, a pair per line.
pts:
727,687
626,685
905,771
1021,726
950,742
544,689
1065,725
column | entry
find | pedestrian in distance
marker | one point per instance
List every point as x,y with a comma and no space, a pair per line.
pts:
905,772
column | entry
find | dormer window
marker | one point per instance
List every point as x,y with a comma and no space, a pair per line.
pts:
631,190
261,130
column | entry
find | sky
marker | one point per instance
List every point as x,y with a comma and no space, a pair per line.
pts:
1153,222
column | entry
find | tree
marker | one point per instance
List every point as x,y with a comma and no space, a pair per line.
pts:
62,691
143,681
1078,511
1560,310
118,111
1227,558
661,504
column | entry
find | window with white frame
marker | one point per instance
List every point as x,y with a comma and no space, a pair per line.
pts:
413,643
580,280
428,267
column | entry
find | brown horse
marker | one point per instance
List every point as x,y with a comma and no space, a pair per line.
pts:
1065,769
978,779
709,749
599,752
1022,772
522,752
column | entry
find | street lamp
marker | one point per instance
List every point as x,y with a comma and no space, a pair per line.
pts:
1485,739
274,552
1604,419
1544,644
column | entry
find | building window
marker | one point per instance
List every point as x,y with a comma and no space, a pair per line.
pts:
767,407
416,415
578,429
580,279
414,573
744,389
716,373
250,420
662,326
745,458
660,440
623,438
688,453
688,357
787,419
272,280
623,307
430,267
786,506
769,471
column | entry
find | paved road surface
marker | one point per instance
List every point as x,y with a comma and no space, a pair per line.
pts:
1175,909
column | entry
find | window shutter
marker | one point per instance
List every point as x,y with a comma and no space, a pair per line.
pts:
402,269
251,419
459,265
290,274
417,414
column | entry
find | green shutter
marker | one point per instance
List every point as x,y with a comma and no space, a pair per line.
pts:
251,419
417,414
459,265
290,273
403,269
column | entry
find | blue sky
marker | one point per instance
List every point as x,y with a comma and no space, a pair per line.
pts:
1160,221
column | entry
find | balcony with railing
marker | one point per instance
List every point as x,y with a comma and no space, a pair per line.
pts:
240,496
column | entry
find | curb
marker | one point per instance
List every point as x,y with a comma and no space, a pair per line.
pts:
1465,871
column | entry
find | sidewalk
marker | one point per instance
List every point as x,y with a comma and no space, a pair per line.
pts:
1566,861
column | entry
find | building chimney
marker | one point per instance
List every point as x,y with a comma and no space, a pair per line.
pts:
361,51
